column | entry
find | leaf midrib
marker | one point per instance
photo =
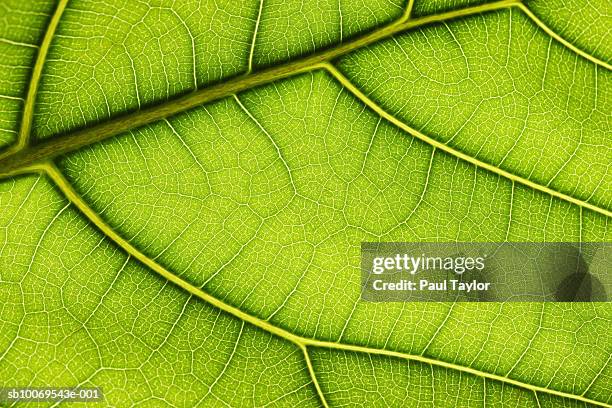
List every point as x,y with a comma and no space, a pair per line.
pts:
53,146
302,342
20,157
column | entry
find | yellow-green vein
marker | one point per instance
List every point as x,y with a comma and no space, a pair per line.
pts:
302,342
444,147
313,375
21,155
55,146
28,109
560,39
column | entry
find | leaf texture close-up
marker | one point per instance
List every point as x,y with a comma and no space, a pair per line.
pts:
185,186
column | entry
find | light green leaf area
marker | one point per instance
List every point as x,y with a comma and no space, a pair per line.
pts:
76,310
204,249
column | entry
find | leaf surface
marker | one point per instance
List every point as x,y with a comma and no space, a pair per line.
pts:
199,181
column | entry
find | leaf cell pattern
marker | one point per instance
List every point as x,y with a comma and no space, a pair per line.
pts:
185,187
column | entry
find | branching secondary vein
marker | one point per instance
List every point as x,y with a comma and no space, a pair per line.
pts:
444,147
28,110
302,342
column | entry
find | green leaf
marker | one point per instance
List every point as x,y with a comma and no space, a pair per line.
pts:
185,188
